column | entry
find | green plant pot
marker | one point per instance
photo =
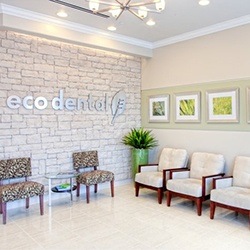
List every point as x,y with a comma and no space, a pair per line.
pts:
139,157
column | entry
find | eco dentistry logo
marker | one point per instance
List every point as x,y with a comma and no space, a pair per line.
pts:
59,102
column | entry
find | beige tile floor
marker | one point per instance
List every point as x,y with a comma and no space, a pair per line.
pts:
123,222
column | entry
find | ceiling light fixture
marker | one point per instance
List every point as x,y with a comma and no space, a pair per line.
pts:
62,13
112,28
117,7
150,22
94,5
138,9
204,2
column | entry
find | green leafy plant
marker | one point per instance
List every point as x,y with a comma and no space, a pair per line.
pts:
140,138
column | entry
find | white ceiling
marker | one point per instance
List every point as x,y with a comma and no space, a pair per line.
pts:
179,17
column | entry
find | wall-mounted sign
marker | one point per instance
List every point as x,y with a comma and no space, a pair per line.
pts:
60,103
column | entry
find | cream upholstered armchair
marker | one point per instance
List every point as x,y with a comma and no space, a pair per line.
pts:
196,183
155,176
89,160
16,170
233,192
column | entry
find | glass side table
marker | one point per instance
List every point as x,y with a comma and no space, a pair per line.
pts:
61,175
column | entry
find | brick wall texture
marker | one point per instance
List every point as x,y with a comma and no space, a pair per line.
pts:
37,67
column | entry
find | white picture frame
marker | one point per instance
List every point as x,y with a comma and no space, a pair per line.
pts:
159,108
223,106
187,107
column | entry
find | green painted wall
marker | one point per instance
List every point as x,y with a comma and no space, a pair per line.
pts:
242,125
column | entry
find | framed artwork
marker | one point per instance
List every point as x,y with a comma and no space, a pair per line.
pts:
159,108
223,105
187,107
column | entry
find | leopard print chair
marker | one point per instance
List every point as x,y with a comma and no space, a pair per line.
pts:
15,169
89,159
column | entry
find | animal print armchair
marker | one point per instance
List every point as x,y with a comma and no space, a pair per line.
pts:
16,169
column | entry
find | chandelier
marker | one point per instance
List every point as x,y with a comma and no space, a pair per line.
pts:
117,7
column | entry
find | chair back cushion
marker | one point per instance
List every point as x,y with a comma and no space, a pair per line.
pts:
85,159
15,168
241,172
203,164
172,158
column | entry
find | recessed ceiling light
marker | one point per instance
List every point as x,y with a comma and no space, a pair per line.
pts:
62,13
204,2
112,28
150,22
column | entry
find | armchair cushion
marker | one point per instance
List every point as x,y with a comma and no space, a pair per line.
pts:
241,173
172,158
204,164
148,168
95,177
175,174
232,196
20,190
15,168
153,179
223,182
188,186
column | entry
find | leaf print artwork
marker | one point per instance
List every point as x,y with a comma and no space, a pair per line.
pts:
187,107
158,108
222,105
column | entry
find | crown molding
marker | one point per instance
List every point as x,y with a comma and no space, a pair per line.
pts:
203,32
38,17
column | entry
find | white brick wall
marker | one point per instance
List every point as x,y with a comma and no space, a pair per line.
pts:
38,67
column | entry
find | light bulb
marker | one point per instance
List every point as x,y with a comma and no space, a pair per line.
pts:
112,28
150,22
93,6
160,5
204,2
62,13
115,12
142,12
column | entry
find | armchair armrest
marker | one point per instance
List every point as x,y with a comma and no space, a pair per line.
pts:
179,173
222,182
147,168
170,170
207,182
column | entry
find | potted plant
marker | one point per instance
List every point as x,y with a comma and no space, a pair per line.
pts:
140,140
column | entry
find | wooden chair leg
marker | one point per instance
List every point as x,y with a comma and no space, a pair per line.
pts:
159,195
87,194
249,217
77,189
95,188
41,204
169,197
27,202
4,211
199,206
137,188
212,209
112,188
